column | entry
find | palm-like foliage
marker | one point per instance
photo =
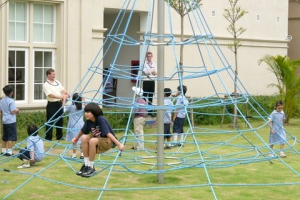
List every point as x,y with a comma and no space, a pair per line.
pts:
298,1
288,81
183,7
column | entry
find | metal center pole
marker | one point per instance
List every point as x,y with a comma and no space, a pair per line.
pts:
160,89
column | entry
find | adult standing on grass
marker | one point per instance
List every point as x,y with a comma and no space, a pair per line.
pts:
149,86
56,96
9,111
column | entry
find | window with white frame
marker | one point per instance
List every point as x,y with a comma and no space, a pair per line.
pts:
17,64
43,60
43,23
18,19
37,35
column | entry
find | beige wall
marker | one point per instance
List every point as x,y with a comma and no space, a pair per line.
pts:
83,24
294,30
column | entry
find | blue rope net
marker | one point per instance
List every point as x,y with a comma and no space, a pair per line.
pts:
211,71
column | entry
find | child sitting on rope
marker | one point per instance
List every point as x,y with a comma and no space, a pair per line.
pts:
34,152
96,136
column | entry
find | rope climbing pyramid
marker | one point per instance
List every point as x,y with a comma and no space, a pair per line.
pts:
207,158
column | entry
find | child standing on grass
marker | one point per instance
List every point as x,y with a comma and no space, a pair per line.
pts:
167,117
96,136
139,118
179,115
277,133
34,152
9,111
75,123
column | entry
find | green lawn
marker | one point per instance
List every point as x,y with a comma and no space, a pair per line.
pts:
235,168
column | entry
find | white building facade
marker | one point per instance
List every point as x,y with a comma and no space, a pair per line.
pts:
67,34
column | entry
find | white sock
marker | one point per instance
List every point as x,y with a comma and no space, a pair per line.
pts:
74,155
81,154
3,150
9,151
181,137
91,164
175,137
86,161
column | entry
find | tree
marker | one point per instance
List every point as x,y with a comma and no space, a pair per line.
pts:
183,7
232,15
298,1
288,81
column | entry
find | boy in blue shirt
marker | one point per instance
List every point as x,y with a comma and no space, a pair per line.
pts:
179,115
34,152
9,111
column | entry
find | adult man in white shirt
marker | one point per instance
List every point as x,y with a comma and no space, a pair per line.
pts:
149,86
56,95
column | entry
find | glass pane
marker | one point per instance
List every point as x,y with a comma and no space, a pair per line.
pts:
38,59
38,75
12,11
48,33
38,92
21,12
11,58
12,31
48,14
20,58
38,32
45,77
20,92
38,13
21,31
48,59
11,75
20,75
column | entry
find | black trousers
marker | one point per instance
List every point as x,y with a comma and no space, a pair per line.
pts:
54,109
149,89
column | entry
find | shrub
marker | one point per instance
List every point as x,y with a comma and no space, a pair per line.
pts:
202,116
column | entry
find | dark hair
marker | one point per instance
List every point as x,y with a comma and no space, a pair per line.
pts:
8,89
183,87
32,130
94,109
278,103
49,71
167,92
78,101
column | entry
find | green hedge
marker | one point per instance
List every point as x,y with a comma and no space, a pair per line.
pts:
202,116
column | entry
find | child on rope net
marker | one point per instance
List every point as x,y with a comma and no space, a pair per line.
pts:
139,119
167,117
96,136
76,122
179,115
277,133
34,151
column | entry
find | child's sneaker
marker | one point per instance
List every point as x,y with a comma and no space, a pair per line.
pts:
281,154
24,165
271,155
